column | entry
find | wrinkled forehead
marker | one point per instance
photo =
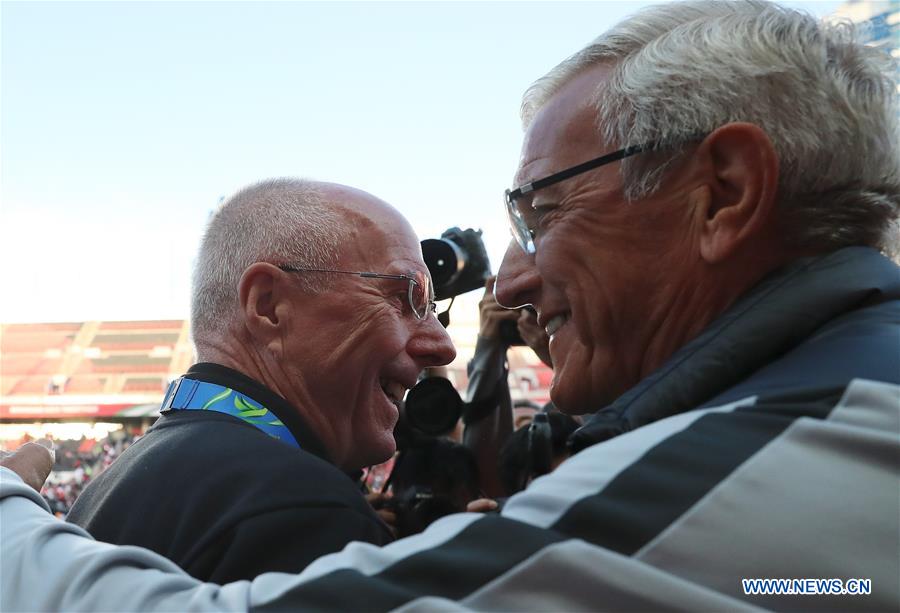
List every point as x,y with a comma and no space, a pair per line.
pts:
378,238
564,131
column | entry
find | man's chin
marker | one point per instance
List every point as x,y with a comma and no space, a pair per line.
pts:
379,453
575,397
587,381
565,393
564,405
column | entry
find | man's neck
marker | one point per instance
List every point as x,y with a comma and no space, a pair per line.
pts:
248,360
236,357
695,307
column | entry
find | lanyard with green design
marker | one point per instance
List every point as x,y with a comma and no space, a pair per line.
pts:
190,394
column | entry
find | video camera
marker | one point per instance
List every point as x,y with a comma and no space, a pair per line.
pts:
416,507
458,263
432,408
432,476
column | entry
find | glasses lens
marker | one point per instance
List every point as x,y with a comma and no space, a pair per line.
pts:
420,297
517,223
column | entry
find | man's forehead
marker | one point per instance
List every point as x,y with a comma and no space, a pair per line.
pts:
377,237
565,129
389,251
360,209
379,246
374,232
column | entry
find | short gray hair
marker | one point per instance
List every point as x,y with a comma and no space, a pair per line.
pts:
681,70
279,221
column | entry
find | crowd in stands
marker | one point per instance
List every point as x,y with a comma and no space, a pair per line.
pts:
77,462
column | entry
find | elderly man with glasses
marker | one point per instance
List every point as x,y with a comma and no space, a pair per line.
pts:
312,314
717,299
733,246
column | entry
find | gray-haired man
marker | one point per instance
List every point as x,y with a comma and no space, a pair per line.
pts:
716,295
312,313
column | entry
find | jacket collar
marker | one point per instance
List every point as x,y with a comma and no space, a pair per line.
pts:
283,410
775,316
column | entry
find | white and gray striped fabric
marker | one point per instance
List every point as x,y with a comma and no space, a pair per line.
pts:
672,515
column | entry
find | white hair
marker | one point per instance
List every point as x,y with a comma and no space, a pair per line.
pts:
827,102
282,221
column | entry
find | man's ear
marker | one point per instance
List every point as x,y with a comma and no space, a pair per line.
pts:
265,305
737,201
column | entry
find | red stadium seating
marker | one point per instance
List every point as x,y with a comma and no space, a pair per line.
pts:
94,358
129,363
137,340
159,324
19,364
85,384
30,386
145,384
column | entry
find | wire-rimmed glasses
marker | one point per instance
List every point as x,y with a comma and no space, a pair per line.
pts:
420,294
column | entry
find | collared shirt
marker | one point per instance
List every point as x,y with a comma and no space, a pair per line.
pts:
283,410
223,499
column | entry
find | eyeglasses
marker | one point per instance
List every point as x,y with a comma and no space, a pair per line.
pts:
522,228
420,294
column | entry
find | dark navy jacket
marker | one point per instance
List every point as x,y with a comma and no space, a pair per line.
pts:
789,338
224,500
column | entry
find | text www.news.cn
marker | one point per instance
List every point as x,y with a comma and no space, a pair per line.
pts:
811,587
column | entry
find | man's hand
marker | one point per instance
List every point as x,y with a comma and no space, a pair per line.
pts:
378,500
491,314
31,461
534,336
482,505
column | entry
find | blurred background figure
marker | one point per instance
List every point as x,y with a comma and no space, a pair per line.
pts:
491,417
535,449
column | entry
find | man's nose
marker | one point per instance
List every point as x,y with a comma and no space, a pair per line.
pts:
518,282
430,345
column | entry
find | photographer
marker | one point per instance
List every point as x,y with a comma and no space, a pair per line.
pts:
430,479
432,475
489,422
536,449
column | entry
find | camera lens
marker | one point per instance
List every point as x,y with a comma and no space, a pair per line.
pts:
457,261
443,259
433,406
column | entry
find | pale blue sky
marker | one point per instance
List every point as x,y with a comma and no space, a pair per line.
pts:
123,123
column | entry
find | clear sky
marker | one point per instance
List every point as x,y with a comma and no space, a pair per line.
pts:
122,125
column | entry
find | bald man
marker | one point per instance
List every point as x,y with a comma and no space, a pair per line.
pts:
312,314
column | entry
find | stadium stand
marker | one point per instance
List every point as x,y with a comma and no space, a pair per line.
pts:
51,369
145,384
86,384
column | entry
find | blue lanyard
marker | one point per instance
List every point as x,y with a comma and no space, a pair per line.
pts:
190,394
